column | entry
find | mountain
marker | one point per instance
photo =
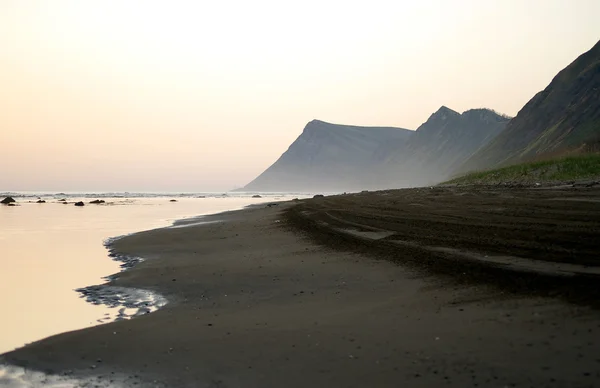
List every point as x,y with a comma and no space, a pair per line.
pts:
441,145
331,157
563,118
328,157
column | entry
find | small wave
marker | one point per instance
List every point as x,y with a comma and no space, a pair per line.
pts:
130,302
126,195
133,301
18,377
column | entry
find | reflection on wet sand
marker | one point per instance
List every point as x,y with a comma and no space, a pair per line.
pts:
49,250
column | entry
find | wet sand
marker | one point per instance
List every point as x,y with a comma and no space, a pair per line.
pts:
279,296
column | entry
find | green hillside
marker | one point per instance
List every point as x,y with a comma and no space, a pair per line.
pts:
572,168
563,118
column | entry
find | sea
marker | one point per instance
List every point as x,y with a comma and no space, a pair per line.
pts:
50,251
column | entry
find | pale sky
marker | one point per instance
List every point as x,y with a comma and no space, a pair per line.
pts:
117,95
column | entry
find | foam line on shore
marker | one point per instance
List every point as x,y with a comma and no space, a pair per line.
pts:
18,377
132,302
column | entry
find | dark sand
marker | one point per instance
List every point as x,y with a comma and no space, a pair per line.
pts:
254,303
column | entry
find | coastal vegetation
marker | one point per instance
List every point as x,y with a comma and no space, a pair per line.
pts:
565,169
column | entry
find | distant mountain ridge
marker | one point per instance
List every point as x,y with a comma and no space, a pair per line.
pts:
327,157
333,157
564,117
441,145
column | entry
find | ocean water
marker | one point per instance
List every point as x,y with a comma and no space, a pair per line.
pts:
49,250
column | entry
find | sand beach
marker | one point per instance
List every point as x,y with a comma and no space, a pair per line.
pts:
266,297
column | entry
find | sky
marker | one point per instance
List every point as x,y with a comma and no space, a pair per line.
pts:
187,96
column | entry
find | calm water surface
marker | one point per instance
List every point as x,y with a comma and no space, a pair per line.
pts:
48,250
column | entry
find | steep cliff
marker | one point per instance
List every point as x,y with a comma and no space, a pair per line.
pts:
328,157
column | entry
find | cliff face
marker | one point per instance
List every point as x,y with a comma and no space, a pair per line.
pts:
327,157
440,145
564,117
330,157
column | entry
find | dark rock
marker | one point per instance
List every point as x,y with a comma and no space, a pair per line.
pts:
173,200
319,196
11,204
62,200
256,196
7,200
80,203
98,201
40,201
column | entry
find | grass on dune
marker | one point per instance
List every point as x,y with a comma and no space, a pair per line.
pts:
569,168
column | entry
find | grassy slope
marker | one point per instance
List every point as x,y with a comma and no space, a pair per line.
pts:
564,169
564,117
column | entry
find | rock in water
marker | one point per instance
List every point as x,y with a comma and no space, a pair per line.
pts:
98,201
40,201
80,203
7,200
319,196
256,196
173,200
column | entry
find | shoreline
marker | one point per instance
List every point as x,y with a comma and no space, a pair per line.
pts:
129,301
254,303
139,300
143,301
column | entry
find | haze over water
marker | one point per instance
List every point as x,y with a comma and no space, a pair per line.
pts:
49,250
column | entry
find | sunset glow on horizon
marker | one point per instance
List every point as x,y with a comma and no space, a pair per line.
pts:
203,96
